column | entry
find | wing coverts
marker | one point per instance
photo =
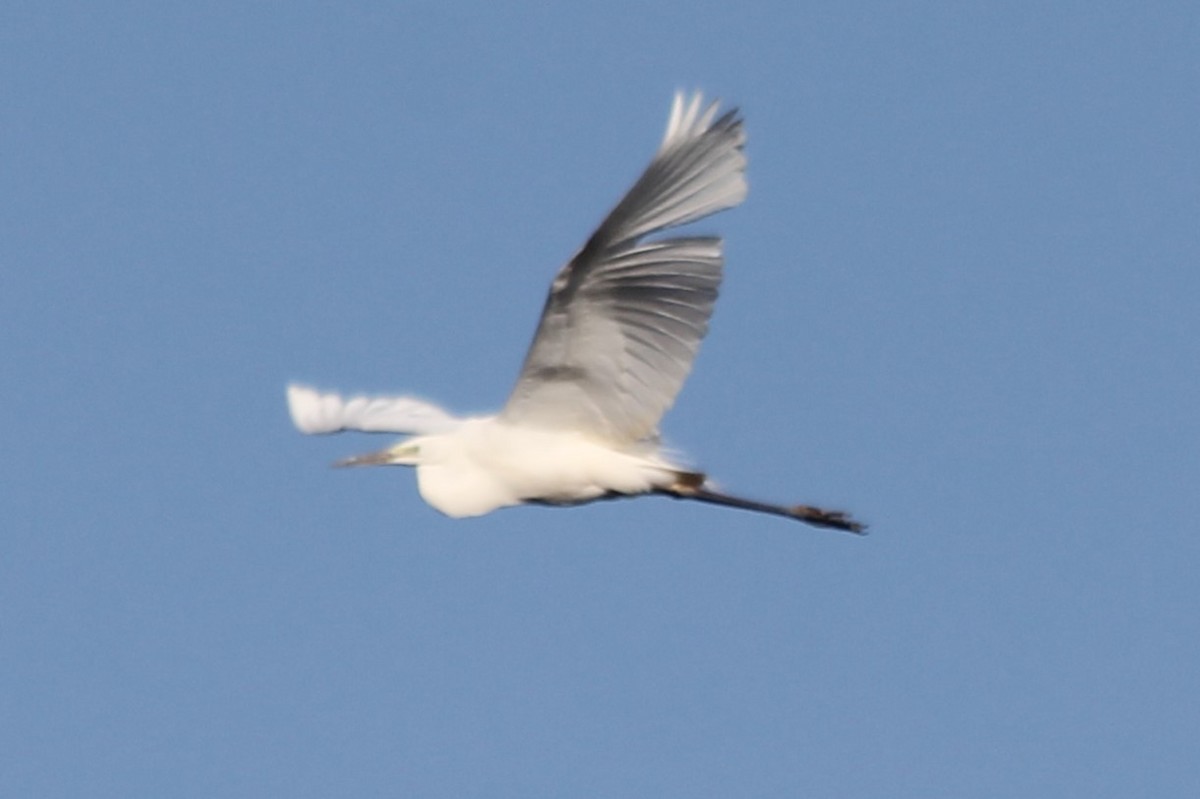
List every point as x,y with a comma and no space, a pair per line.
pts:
625,317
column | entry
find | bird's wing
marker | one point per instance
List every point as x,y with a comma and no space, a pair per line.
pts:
625,317
317,412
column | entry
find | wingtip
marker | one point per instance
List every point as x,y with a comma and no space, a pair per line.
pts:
691,116
304,405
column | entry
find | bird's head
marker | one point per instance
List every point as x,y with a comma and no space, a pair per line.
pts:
404,453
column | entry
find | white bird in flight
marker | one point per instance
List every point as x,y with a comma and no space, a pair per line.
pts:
616,340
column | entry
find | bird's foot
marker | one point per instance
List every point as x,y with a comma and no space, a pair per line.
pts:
835,519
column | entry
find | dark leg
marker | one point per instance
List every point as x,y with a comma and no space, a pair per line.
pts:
689,487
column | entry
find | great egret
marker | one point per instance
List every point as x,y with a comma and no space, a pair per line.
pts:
617,337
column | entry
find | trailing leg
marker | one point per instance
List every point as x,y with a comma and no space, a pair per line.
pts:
693,485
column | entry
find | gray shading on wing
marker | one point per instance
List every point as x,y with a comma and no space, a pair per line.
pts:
625,316
315,412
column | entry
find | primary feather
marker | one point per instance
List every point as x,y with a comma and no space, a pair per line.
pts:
316,412
625,317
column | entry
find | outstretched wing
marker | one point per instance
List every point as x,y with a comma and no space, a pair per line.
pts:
325,412
625,317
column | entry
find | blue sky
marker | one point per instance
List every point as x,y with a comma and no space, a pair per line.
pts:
961,301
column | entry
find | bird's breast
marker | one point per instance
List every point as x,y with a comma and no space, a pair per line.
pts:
494,465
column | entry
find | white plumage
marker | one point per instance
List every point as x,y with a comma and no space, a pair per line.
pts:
617,338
